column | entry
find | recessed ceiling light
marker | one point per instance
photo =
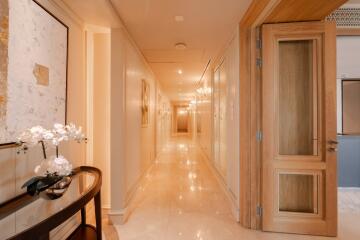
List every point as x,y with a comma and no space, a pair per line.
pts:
180,71
180,46
179,18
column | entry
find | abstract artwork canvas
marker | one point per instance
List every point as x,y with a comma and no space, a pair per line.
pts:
145,100
33,68
4,39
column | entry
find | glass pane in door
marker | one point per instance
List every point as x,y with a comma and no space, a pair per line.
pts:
295,98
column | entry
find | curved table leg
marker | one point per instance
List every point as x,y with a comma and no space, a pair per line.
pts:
97,201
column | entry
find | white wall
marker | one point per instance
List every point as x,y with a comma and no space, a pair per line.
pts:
222,147
204,118
101,111
133,146
140,141
163,120
232,115
348,66
16,169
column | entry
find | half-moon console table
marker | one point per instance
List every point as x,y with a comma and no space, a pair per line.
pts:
34,217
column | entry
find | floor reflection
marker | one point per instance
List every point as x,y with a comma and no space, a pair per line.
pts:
181,199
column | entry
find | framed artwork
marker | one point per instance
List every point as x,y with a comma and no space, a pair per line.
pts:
350,96
33,69
145,102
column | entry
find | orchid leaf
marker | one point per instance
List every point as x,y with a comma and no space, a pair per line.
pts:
32,181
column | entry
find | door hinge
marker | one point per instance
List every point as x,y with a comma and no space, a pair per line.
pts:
258,44
259,136
259,210
258,62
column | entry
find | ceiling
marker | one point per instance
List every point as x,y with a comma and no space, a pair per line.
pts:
206,27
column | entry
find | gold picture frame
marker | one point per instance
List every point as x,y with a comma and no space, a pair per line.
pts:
145,102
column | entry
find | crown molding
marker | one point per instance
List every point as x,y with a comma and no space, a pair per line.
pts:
68,12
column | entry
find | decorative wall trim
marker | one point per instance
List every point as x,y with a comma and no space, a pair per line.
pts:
348,31
348,17
63,7
119,217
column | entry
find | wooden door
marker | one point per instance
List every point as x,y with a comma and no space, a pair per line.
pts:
299,181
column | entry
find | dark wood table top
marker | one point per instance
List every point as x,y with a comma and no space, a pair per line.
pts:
35,216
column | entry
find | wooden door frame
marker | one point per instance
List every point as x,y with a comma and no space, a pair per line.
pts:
258,13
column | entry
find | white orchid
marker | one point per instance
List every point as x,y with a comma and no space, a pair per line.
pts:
59,165
74,133
55,136
33,135
60,133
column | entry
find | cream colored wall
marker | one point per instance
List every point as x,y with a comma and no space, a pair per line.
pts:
163,120
16,169
232,116
133,146
117,126
140,141
222,148
204,113
100,114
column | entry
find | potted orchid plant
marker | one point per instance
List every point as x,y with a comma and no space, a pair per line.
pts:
54,172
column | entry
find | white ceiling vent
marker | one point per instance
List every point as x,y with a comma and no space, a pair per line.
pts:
346,17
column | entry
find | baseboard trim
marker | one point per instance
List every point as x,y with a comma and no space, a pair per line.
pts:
120,217
106,206
235,210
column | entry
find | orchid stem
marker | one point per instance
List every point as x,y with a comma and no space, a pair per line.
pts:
57,151
43,148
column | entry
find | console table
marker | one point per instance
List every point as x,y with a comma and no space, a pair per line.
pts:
36,217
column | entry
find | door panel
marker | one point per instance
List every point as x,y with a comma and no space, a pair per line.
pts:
296,135
299,128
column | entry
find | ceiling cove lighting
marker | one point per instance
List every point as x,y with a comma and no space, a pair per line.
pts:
204,91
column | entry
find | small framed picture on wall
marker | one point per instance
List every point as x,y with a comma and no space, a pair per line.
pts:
145,102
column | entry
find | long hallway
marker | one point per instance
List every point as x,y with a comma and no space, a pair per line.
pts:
180,198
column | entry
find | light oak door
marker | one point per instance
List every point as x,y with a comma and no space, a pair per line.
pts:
299,180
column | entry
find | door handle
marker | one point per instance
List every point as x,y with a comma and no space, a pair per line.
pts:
332,149
333,142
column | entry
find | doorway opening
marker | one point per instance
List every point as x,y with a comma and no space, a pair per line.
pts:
182,120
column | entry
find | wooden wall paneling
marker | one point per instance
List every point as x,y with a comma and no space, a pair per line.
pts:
289,10
245,189
250,173
329,122
256,121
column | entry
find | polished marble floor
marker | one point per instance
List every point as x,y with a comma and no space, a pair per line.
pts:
181,199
